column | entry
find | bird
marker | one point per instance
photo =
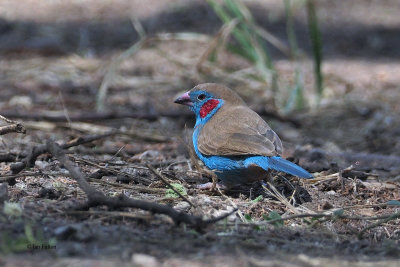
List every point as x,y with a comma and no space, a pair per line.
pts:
231,139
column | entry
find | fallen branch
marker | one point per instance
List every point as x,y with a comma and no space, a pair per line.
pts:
97,198
38,150
15,127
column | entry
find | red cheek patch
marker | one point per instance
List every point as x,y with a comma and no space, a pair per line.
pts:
207,107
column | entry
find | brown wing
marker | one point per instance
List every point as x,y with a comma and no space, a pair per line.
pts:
238,131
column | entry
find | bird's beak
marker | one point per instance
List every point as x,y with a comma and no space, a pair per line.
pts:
184,100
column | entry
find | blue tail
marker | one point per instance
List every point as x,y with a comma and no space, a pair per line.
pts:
278,164
283,165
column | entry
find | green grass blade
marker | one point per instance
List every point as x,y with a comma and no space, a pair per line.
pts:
219,10
290,29
315,37
296,98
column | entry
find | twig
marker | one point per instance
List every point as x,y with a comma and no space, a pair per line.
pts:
159,175
15,127
384,220
86,139
332,216
108,213
8,120
116,154
36,151
96,198
133,177
366,206
280,197
145,189
240,214
216,219
324,180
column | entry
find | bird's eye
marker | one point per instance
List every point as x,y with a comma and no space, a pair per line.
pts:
201,97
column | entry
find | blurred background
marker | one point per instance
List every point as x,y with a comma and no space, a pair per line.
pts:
324,74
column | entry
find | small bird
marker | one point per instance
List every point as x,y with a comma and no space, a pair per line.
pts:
231,139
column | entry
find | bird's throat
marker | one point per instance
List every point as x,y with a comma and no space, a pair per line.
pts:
208,107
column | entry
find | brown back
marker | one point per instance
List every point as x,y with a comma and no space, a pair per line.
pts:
237,130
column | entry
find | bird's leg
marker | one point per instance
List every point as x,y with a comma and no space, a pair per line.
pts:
197,166
214,181
214,184
267,180
268,177
211,186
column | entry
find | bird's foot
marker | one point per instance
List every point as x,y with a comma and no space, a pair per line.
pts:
211,186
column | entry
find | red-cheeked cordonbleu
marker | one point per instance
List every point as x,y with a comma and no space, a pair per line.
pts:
231,139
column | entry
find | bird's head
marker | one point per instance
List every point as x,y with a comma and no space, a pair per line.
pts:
205,99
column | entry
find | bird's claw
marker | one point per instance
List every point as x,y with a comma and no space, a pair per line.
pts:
211,186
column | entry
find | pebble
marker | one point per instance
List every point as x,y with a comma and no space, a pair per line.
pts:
144,260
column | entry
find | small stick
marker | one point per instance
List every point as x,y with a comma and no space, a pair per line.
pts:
240,214
385,220
37,150
15,127
107,213
330,216
86,139
112,170
132,187
159,175
8,120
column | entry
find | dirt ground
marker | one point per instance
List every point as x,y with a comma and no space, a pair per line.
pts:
54,56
